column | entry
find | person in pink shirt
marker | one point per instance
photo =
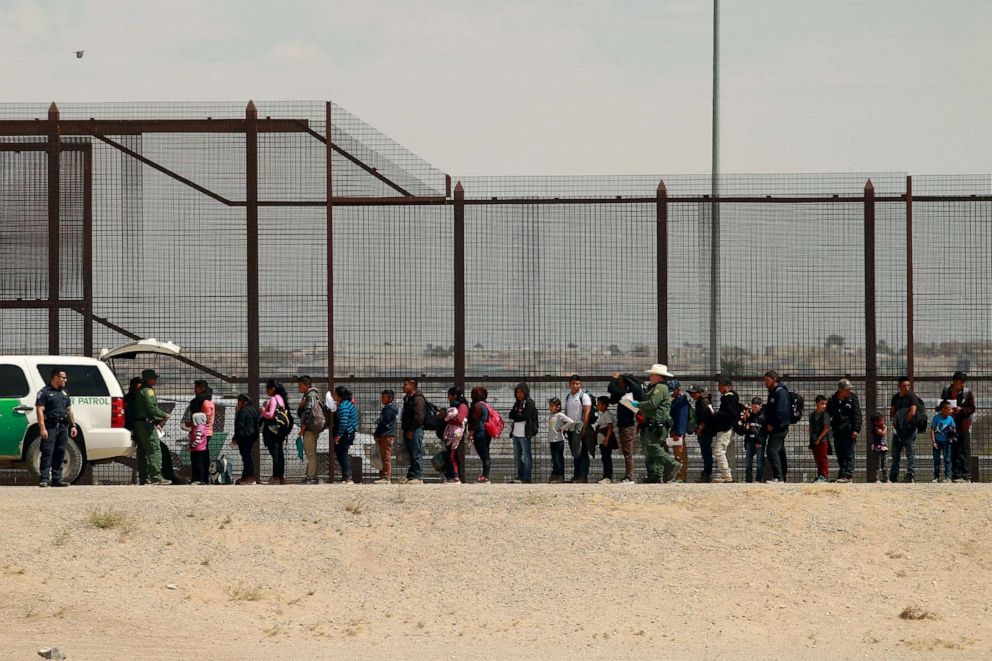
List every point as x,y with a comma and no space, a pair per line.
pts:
277,423
454,432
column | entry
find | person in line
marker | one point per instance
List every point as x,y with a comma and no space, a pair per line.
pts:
199,456
905,410
606,437
656,411
385,434
56,426
844,410
455,419
963,408
344,430
478,416
559,425
412,425
311,417
723,427
943,429
202,402
148,416
703,408
819,439
524,427
777,414
626,386
682,424
246,424
578,406
752,427
276,427
879,443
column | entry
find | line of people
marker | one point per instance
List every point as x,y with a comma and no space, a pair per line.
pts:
657,412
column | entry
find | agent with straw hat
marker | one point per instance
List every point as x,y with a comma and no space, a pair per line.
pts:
656,409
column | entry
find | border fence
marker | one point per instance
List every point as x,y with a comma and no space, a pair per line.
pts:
290,238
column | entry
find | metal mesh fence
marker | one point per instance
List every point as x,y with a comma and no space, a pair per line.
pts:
560,276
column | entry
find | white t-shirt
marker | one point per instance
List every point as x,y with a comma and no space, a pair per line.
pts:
605,420
574,405
519,429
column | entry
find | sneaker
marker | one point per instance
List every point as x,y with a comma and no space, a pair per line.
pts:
453,480
629,479
723,479
483,479
383,480
673,469
43,483
276,480
843,480
579,480
556,479
247,480
348,481
956,480
60,483
606,480
935,480
909,479
415,480
704,478
775,480
820,480
159,481
516,481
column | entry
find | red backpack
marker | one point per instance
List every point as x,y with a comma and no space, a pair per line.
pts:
494,422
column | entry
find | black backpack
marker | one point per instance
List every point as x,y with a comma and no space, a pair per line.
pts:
431,420
796,404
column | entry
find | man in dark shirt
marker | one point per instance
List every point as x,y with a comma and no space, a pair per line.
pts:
723,424
844,410
903,410
412,425
963,408
55,426
777,414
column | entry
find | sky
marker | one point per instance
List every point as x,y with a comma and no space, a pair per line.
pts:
543,88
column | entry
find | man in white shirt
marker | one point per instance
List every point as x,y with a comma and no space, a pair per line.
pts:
578,407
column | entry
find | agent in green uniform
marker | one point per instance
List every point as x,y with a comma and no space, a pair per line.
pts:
147,415
656,409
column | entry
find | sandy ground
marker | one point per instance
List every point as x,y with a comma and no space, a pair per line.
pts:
498,572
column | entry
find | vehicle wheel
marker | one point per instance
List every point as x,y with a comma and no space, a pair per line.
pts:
72,463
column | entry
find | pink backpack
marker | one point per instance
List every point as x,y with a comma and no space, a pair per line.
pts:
494,423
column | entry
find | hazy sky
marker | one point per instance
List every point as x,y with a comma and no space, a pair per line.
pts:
537,87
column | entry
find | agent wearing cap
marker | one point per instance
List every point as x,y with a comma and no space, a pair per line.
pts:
656,409
147,416
844,410
963,403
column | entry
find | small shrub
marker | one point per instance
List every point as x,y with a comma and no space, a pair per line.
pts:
356,506
245,593
109,519
913,613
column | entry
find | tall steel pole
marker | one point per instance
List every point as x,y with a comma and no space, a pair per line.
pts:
715,202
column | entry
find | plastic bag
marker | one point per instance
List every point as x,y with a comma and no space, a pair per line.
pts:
299,447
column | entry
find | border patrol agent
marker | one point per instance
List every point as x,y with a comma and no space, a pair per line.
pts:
656,408
56,425
147,415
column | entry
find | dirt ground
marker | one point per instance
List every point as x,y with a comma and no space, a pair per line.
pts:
498,572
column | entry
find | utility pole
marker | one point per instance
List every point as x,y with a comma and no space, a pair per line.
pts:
715,202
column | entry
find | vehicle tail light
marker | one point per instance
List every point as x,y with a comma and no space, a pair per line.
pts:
117,412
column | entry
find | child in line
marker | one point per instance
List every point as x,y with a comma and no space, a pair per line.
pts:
942,431
752,427
558,424
879,430
199,456
385,433
606,437
455,418
819,439
345,426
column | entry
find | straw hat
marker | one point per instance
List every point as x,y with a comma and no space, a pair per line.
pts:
659,370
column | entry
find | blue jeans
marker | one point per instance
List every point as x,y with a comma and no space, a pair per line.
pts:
416,447
903,441
557,459
341,454
754,451
53,451
523,457
942,453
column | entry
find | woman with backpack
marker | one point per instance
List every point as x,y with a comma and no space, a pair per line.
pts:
477,418
276,425
344,427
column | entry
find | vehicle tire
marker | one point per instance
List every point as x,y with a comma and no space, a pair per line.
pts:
72,464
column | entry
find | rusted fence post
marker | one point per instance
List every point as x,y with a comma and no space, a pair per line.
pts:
910,323
661,270
459,281
88,251
871,339
251,245
54,241
329,231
